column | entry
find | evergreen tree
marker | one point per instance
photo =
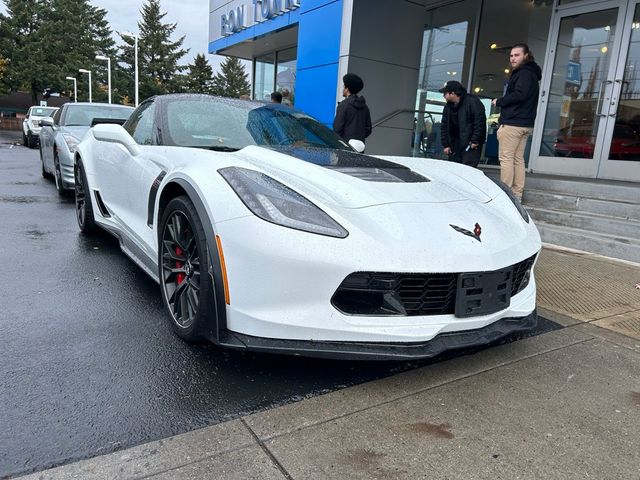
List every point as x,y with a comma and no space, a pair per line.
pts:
23,44
200,76
125,69
158,55
232,81
3,70
48,40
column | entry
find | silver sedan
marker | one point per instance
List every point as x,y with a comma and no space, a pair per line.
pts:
61,133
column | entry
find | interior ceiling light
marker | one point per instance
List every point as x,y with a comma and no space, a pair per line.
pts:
604,49
494,46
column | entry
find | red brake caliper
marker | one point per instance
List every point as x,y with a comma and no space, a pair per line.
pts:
180,276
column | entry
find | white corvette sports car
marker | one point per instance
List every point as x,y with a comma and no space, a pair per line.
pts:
268,232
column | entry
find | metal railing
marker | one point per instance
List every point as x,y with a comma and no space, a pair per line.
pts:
425,141
399,112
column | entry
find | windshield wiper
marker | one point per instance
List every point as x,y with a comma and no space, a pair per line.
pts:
216,148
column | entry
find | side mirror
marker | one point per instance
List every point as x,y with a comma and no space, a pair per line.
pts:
107,132
357,145
46,122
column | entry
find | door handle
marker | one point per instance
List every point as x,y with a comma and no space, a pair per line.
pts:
601,99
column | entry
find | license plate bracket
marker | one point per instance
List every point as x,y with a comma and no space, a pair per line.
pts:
483,293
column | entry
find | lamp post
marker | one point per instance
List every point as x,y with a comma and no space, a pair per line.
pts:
135,42
82,70
75,88
102,57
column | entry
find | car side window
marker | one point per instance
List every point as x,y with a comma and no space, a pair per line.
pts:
140,125
56,117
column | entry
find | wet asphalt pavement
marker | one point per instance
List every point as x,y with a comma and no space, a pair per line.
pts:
88,360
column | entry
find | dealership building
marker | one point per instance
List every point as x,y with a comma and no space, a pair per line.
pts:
588,122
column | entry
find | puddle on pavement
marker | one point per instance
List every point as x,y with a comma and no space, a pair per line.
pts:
21,199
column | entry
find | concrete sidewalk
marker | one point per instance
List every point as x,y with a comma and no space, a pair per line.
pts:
565,404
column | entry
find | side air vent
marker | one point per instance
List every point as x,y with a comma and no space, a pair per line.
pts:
101,206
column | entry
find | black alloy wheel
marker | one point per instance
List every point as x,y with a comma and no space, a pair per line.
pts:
184,279
84,207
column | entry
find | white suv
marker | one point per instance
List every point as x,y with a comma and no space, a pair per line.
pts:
31,124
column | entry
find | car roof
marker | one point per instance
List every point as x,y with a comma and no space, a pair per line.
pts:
236,102
93,104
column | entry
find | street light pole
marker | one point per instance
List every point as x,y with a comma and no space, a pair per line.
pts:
135,43
102,57
82,70
75,88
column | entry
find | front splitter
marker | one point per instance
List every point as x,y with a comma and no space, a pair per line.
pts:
384,351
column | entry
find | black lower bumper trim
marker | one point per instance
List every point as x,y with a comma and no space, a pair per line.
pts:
384,351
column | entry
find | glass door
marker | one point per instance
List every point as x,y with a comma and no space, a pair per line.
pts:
589,119
576,91
621,155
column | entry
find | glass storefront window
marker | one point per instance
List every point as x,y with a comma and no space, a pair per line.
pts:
446,54
264,76
276,72
502,24
286,75
625,144
578,83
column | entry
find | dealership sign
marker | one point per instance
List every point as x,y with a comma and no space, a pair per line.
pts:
236,19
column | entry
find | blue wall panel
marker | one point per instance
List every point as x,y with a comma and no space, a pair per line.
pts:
319,35
308,5
318,55
316,92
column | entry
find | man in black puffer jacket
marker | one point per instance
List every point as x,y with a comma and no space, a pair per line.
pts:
517,116
464,125
353,119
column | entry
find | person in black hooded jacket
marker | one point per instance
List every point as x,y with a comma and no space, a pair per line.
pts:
353,119
464,125
517,116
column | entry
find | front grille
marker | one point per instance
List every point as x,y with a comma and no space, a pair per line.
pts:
412,294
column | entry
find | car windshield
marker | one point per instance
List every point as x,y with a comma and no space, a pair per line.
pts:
229,125
42,112
82,115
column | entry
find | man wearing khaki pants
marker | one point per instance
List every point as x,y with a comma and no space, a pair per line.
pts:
517,116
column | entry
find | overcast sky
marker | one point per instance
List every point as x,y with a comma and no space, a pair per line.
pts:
192,17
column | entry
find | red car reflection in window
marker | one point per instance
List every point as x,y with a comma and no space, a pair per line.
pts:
625,144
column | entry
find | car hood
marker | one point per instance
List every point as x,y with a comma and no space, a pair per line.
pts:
352,180
77,131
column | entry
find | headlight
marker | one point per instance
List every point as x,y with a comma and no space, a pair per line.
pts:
276,203
72,142
521,210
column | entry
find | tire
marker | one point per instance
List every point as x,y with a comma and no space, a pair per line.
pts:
185,284
45,174
84,207
24,139
57,175
31,142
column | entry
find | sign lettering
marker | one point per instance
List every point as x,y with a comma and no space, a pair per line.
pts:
233,22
